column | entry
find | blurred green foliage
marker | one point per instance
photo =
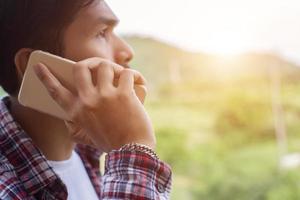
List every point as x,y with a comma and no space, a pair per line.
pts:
214,123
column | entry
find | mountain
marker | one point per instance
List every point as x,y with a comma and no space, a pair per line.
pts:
162,63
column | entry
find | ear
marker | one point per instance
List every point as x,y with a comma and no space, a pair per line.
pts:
21,60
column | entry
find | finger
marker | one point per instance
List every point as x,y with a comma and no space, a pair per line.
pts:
141,92
105,76
126,80
109,73
127,83
56,90
96,62
93,63
83,79
138,77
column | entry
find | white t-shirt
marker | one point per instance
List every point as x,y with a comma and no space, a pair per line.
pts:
74,175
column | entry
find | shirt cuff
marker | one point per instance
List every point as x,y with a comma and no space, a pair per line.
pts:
124,163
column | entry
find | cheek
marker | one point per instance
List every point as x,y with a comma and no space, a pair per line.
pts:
86,48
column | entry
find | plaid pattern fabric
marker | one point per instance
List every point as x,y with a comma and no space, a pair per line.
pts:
25,173
135,175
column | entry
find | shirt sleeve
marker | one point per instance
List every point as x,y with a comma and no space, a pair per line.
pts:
135,175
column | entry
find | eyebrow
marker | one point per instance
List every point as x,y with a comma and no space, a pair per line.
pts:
110,21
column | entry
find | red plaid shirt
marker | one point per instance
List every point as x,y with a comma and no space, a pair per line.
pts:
25,173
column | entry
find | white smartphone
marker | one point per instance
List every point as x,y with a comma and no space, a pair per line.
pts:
33,93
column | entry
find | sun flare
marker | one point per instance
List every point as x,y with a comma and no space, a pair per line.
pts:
225,44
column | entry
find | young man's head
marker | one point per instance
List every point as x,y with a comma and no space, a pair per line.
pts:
74,29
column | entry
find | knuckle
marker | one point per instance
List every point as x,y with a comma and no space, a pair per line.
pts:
139,74
123,96
95,59
79,64
88,104
104,64
127,71
105,94
77,67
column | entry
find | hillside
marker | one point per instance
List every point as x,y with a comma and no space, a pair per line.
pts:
163,63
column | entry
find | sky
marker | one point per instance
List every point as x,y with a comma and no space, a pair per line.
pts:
224,27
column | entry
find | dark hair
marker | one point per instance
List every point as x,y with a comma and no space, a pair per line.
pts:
36,24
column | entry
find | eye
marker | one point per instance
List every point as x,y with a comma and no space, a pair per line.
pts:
102,33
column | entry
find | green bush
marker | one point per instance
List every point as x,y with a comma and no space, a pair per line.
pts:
244,118
171,146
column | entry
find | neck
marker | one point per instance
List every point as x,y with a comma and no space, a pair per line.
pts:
48,133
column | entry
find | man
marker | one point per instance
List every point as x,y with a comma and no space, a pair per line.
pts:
43,157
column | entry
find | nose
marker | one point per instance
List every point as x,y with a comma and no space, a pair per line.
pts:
123,53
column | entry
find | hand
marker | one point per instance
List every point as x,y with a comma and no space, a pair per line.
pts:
104,114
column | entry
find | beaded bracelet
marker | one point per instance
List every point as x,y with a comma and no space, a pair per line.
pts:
139,147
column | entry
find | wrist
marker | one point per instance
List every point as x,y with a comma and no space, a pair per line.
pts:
140,148
149,143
